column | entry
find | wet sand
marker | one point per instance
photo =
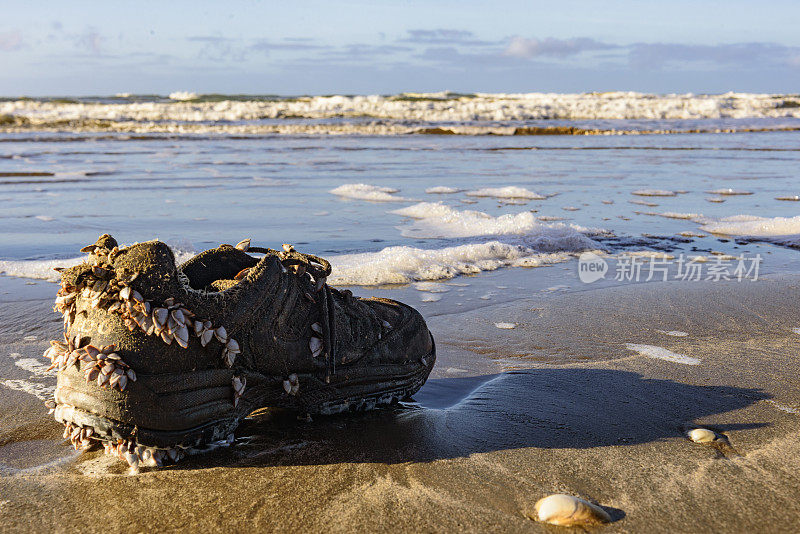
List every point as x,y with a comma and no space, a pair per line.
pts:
557,404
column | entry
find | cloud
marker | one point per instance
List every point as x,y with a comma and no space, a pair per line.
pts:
661,55
551,47
365,51
443,36
214,39
10,41
90,40
218,48
264,45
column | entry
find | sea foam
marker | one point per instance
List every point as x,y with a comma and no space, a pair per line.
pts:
510,191
403,265
369,192
751,225
474,114
437,220
660,353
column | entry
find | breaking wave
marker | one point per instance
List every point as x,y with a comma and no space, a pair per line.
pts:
407,113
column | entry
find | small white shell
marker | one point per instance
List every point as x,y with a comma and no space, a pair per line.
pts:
702,435
160,315
182,336
566,510
198,328
221,334
206,336
315,344
178,316
244,244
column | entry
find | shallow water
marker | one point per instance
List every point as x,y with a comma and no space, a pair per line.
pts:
198,192
463,250
621,357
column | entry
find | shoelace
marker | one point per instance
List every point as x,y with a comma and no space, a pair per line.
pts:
319,269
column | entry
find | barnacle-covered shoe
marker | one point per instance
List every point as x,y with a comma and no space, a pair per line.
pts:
159,360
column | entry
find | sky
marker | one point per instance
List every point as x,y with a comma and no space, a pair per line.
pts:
385,47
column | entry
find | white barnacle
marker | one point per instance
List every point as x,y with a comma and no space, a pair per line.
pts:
205,338
178,316
113,380
294,384
132,459
566,510
198,328
160,315
221,334
244,244
315,344
182,336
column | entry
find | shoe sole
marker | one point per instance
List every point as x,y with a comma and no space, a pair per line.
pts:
200,405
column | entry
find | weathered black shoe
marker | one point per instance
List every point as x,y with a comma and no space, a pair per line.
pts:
158,360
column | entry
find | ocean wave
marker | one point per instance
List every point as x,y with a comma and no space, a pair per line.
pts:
428,113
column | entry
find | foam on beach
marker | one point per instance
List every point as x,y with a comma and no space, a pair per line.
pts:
437,220
442,190
44,269
751,225
369,192
660,353
729,192
37,269
654,193
509,192
403,265
675,215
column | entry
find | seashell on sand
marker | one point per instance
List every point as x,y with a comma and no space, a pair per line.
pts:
566,510
701,435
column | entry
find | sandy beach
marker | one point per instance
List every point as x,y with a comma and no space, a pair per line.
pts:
477,449
592,205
